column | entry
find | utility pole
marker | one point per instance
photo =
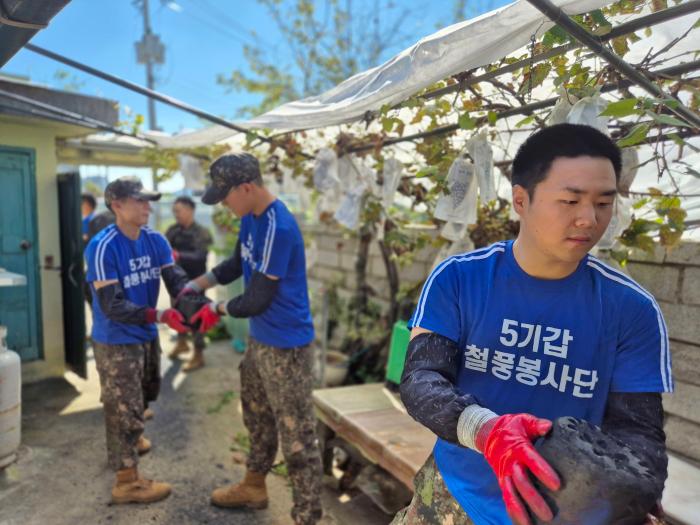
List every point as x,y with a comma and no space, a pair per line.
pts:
150,51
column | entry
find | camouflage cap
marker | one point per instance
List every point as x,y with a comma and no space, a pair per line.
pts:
229,171
125,187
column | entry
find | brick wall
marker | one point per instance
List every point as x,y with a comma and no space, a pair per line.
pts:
673,278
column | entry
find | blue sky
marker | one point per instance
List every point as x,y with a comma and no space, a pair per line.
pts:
202,38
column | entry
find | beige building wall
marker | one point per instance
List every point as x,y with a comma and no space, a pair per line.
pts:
41,137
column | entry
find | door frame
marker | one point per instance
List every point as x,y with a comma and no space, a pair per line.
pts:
34,258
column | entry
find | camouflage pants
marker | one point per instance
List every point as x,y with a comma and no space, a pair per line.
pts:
432,503
197,339
130,379
276,388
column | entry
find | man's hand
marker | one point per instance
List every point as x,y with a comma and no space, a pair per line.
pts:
506,442
170,316
207,317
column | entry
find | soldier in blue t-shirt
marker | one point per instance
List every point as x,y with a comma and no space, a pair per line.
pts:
276,372
126,262
507,338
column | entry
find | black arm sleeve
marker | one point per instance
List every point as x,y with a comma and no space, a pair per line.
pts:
256,299
117,308
428,384
174,278
637,420
230,269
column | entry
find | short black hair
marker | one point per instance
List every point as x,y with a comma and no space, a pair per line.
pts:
187,201
536,155
90,199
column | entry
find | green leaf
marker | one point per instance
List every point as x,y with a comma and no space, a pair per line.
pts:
525,121
492,117
637,135
696,24
427,172
640,203
620,45
667,119
466,122
621,108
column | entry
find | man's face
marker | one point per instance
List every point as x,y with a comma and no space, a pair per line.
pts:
184,215
132,211
86,209
239,200
570,209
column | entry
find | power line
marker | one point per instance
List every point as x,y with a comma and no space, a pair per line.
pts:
153,94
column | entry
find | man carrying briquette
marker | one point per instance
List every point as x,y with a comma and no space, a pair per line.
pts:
276,371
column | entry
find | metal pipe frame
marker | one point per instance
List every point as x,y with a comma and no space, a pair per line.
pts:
595,44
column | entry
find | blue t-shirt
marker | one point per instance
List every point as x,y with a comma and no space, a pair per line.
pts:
136,265
271,243
86,222
550,348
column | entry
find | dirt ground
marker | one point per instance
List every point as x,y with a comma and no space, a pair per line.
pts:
62,477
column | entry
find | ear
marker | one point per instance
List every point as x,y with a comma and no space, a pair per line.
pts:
521,199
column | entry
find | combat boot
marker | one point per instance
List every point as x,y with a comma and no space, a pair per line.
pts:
130,488
196,362
143,445
181,347
250,493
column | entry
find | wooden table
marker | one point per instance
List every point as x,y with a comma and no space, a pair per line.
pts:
374,420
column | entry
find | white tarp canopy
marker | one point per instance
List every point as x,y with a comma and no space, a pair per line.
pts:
459,47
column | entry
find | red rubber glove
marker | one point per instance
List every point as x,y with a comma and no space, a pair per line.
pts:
506,442
171,317
176,255
208,317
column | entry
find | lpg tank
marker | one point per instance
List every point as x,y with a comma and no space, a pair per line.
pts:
10,402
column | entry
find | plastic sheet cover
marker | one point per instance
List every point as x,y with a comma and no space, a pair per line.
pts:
451,50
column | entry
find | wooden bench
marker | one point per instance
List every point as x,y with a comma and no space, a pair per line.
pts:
375,422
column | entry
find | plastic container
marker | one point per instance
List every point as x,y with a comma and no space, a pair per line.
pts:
400,336
237,328
10,402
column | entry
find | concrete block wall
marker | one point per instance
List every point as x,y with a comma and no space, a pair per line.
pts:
335,259
674,279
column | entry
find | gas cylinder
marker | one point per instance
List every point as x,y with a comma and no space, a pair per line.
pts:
10,402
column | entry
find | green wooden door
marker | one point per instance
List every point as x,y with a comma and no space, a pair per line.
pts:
20,307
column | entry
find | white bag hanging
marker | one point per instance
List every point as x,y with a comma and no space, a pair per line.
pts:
460,204
353,171
326,170
630,165
192,172
587,111
453,231
348,213
482,155
392,178
561,109
620,220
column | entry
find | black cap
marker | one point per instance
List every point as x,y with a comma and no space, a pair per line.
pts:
229,171
125,187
